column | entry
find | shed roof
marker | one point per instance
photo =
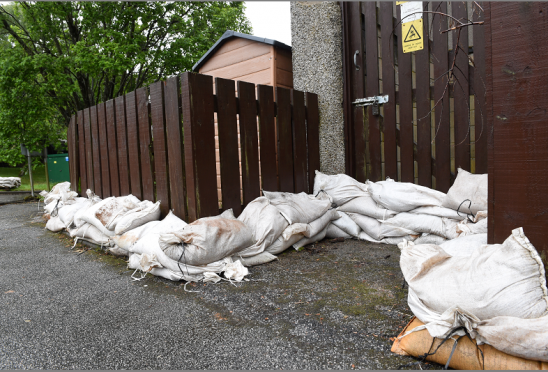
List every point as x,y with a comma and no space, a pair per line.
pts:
231,34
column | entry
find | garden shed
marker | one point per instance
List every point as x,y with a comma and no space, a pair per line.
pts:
248,58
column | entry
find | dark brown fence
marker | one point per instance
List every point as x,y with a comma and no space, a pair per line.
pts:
158,143
435,120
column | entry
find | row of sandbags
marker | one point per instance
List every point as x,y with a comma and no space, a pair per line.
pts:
9,182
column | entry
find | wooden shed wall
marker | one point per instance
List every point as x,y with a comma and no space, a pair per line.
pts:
253,62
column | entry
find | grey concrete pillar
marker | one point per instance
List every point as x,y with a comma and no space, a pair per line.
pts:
316,39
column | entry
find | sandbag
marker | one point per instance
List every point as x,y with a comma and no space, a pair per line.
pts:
496,280
298,208
66,214
468,355
469,228
266,223
314,239
9,182
55,224
426,238
410,223
440,212
145,212
341,188
61,192
346,224
467,186
365,205
206,240
371,226
403,196
334,232
103,213
465,245
90,233
261,258
316,226
282,244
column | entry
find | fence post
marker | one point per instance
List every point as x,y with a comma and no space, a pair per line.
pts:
73,154
199,145
313,138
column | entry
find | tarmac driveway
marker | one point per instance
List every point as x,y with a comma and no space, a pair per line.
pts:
330,306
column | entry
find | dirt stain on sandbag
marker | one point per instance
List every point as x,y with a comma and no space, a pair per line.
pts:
104,214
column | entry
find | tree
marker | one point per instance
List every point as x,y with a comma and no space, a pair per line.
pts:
78,54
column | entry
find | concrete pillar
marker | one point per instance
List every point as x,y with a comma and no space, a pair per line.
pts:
316,39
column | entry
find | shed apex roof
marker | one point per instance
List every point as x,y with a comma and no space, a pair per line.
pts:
231,34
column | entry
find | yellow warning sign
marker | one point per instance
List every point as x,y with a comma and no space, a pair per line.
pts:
412,39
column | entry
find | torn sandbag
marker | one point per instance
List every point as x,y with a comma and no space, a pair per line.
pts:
298,208
365,205
334,232
496,280
146,211
467,186
414,224
346,224
464,245
266,223
340,187
206,240
403,196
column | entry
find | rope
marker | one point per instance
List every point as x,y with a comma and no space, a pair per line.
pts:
467,214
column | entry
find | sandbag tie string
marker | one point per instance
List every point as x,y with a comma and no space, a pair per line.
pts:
467,214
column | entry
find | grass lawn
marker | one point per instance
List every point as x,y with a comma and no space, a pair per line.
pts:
38,176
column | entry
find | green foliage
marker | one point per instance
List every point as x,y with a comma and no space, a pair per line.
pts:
60,57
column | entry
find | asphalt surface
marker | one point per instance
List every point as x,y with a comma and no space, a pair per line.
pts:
330,306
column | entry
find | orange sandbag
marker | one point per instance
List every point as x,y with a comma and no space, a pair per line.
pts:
466,355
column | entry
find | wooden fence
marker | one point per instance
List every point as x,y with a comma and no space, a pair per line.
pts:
158,143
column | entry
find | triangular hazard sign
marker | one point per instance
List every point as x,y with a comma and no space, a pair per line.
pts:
412,35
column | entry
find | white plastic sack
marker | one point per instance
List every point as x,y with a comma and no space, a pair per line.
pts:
207,240
341,188
316,226
103,213
468,228
266,223
440,212
426,238
55,224
66,214
334,232
61,192
261,258
366,206
282,244
403,196
90,233
496,280
9,182
413,224
298,208
467,186
370,225
465,245
346,224
314,239
146,211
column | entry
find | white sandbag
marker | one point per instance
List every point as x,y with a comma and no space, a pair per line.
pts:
465,245
468,228
298,208
403,196
525,338
316,226
9,182
90,233
365,237
371,226
149,245
366,206
426,238
440,212
261,258
207,240
398,239
346,224
295,229
61,192
467,186
341,188
282,244
66,214
414,224
102,213
53,207
314,239
146,211
334,232
496,280
266,223
55,224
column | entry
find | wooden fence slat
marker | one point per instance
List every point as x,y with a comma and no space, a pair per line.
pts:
480,116
121,136
133,145
440,58
313,138
228,144
372,124
389,88
285,139
145,142
89,151
267,131
199,142
104,150
82,152
461,89
248,142
73,154
159,143
424,150
175,147
96,152
113,146
407,163
299,142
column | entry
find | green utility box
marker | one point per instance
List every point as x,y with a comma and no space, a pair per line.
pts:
58,168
